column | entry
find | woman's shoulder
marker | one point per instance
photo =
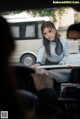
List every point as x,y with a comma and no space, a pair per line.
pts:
63,40
41,46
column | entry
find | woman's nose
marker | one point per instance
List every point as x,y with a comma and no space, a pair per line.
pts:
49,35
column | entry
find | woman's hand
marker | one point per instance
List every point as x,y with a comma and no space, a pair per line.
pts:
42,79
35,65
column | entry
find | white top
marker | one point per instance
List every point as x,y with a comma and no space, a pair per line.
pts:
62,59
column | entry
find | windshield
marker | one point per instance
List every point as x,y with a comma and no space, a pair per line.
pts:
26,29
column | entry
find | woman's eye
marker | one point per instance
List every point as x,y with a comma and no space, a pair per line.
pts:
50,31
44,33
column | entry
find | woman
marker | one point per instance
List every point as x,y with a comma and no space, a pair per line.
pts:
54,46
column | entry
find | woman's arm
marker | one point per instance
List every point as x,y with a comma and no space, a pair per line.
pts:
65,52
40,55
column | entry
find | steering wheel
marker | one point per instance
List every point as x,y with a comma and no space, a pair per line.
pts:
23,74
24,78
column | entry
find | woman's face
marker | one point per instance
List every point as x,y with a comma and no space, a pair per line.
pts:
49,33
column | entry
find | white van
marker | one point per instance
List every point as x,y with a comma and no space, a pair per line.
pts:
27,34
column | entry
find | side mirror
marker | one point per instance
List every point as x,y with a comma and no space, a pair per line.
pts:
73,31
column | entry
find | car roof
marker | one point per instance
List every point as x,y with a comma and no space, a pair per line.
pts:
24,18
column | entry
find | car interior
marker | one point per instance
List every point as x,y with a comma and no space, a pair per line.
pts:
67,77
